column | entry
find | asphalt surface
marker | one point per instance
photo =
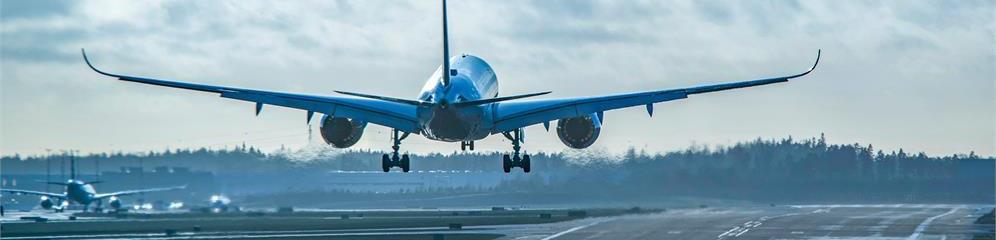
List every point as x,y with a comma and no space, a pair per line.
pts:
780,222
797,222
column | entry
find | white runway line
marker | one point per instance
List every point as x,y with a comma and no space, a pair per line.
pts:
926,222
573,229
747,226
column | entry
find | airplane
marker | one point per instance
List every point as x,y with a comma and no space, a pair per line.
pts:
81,192
458,103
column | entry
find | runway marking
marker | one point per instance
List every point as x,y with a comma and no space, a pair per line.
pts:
926,222
747,226
528,237
573,229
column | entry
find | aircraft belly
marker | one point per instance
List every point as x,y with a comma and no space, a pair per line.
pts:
454,125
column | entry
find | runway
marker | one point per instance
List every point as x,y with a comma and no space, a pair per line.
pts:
796,222
757,222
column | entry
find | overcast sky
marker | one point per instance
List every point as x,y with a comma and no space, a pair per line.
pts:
916,75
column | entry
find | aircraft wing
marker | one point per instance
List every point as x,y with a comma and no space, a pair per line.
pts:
29,192
511,115
396,115
132,192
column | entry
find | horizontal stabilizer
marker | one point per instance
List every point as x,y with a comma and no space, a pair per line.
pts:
498,99
53,183
389,99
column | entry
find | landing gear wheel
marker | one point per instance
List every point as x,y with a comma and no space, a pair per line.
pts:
506,163
385,163
466,144
525,164
404,163
515,160
394,160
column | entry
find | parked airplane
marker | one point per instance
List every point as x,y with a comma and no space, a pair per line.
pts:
459,103
82,193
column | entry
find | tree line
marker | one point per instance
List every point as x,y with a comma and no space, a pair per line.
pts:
777,169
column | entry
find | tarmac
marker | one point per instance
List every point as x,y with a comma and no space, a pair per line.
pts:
896,221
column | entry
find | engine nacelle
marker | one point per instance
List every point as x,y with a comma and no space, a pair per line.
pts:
46,203
115,203
579,132
341,132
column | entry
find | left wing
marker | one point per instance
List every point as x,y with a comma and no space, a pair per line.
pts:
29,192
396,115
513,115
131,192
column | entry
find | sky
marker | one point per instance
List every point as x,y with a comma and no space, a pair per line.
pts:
916,75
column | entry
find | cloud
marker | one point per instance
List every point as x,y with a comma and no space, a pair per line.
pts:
916,75
14,10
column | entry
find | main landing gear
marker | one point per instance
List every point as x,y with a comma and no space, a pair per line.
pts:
393,160
515,161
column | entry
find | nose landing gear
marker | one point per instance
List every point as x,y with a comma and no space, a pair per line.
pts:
394,159
465,144
509,162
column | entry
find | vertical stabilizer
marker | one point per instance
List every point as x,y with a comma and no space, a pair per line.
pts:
72,167
446,50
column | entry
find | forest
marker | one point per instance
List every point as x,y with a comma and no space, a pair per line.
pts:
786,169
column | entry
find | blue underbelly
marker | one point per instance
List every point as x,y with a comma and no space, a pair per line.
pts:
453,124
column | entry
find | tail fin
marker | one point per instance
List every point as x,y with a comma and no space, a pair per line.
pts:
446,50
72,167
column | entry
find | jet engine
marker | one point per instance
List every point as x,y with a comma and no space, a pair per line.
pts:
114,202
341,132
579,132
46,203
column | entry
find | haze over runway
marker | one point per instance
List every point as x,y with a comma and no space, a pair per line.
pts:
912,75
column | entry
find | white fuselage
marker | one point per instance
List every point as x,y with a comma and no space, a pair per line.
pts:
474,80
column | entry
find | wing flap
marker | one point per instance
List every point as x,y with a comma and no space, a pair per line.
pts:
512,115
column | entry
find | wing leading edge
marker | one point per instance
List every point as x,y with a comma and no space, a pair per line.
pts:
396,115
512,115
29,192
132,192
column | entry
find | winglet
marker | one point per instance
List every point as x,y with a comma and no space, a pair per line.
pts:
87,60
818,51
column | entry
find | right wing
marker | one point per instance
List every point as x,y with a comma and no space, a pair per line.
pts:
395,115
131,192
513,115
29,192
